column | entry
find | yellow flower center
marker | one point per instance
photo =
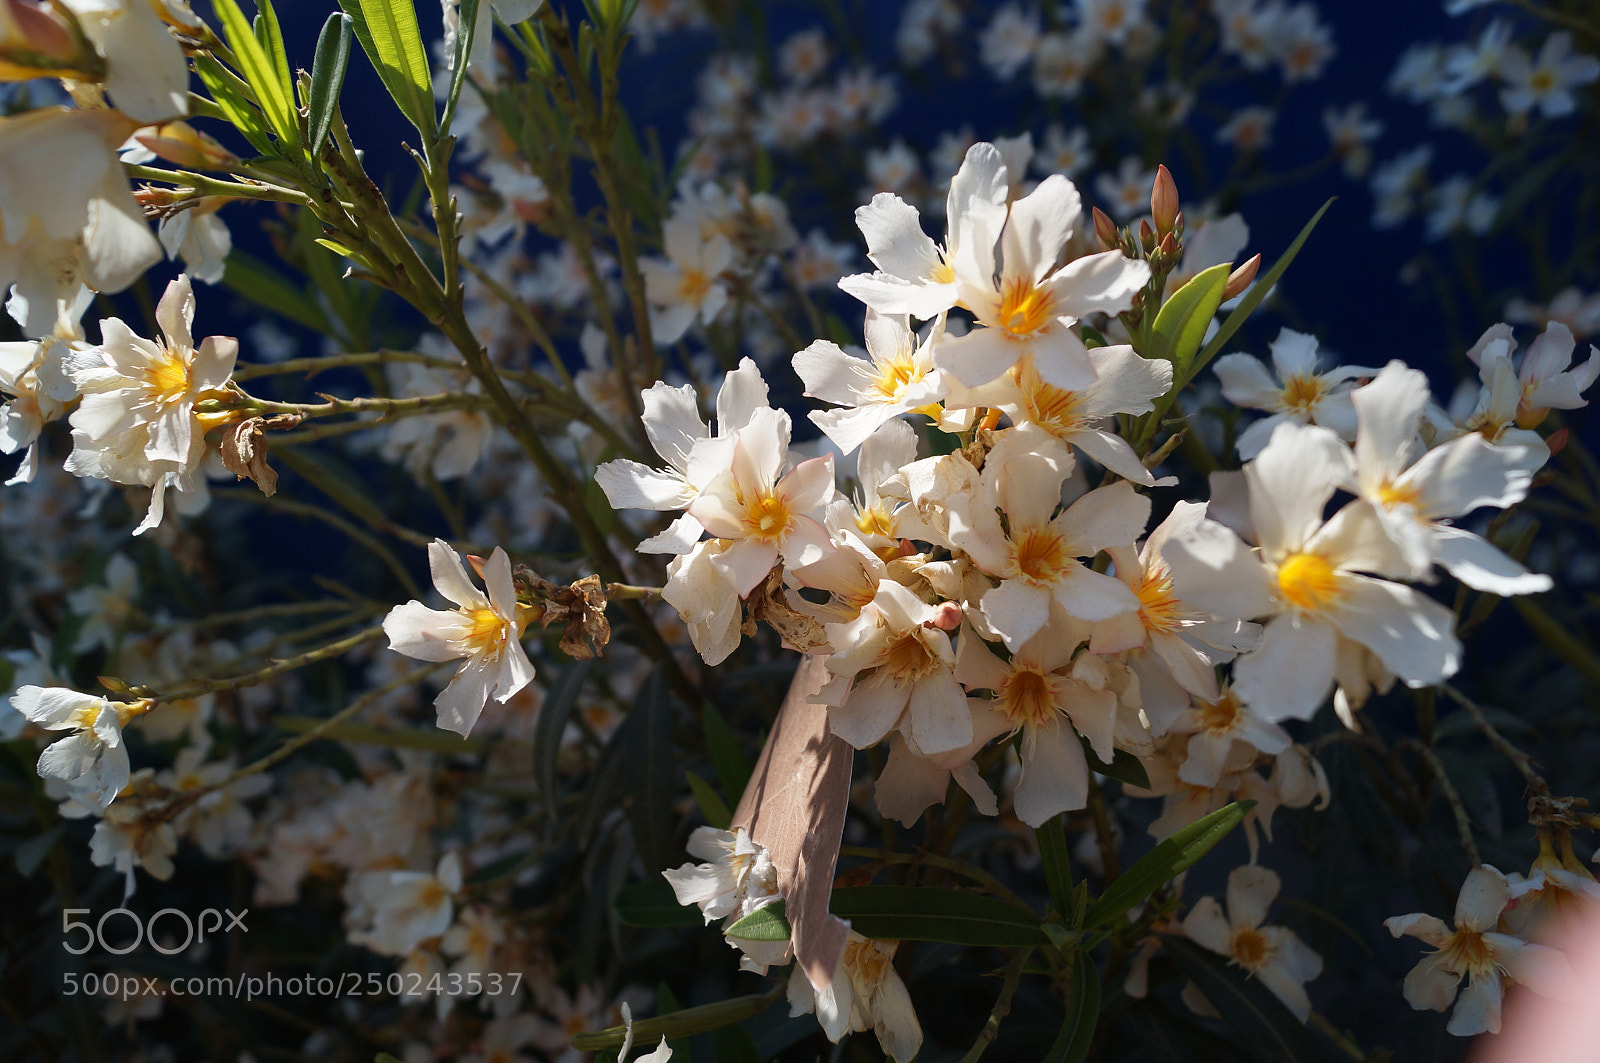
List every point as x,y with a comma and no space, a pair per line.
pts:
1301,393
1027,698
1158,609
1395,495
1039,554
875,521
489,630
1220,716
84,718
1025,309
694,286
1250,948
1045,404
167,379
944,273
767,517
1307,581
1468,953
896,374
908,658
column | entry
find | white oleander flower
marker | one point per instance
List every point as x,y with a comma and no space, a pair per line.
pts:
147,76
866,994
1050,698
1414,500
136,422
92,761
1547,81
763,507
1273,954
1308,577
66,213
1025,304
737,879
484,629
1479,952
899,377
685,287
1036,554
1299,394
406,908
916,276
694,454
896,668
1168,642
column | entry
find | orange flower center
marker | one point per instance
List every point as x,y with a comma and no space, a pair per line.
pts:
1027,698
1301,393
767,517
1250,948
1039,554
1025,309
1158,609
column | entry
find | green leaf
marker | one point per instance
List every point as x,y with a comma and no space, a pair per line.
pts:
1124,766
1052,838
339,249
269,35
1083,1014
767,923
1258,1021
730,1044
224,89
647,767
274,95
1173,856
388,33
1257,292
1180,325
732,766
684,1023
466,33
710,802
554,712
328,68
653,905
924,913
261,284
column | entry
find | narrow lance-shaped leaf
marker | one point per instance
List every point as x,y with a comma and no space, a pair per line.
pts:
1172,857
388,33
1180,326
275,96
653,904
1257,293
1083,1013
712,806
225,90
722,744
328,67
923,913
554,712
649,780
269,35
684,1023
466,36
1258,1021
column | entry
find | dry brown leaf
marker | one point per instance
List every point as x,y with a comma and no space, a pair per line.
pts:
770,602
244,449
